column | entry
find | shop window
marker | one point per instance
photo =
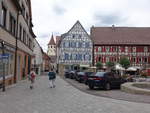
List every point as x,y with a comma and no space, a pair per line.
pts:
11,69
7,66
3,16
1,69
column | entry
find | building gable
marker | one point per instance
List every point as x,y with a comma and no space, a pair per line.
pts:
77,31
76,46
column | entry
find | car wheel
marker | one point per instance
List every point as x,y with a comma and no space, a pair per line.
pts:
91,86
85,82
76,79
107,86
79,81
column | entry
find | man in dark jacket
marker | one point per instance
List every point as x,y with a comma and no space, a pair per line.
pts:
52,77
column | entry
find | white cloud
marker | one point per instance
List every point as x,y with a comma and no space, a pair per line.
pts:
58,16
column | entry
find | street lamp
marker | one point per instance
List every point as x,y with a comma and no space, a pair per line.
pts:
3,52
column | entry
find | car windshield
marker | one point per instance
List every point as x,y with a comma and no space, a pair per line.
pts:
81,73
100,74
89,73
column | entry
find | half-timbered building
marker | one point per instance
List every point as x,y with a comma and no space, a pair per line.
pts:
113,43
75,47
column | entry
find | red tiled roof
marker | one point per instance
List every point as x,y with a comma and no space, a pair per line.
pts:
120,35
52,42
45,56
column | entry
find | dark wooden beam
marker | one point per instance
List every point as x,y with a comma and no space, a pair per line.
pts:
16,2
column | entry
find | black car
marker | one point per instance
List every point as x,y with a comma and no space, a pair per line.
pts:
73,74
83,76
106,80
67,73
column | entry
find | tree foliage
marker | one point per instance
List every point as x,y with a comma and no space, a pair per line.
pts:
125,62
110,64
99,65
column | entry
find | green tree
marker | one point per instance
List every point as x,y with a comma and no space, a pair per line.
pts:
125,62
99,65
110,64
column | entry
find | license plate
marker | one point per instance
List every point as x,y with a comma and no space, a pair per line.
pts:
90,78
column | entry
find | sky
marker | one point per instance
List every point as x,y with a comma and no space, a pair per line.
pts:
58,16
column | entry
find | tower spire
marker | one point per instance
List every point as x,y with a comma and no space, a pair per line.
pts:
52,42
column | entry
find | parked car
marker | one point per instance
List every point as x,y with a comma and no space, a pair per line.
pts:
106,80
84,76
80,76
67,73
73,74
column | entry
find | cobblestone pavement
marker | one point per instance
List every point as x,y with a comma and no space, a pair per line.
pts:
62,99
115,93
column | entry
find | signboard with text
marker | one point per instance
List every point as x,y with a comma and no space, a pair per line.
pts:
4,58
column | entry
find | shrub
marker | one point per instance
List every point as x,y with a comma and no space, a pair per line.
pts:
99,65
125,62
144,74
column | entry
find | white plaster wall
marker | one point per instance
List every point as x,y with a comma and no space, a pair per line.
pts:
38,53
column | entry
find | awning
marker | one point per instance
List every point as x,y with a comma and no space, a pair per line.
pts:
132,69
93,67
84,66
119,67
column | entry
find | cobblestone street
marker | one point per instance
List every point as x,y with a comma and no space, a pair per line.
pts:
62,99
114,93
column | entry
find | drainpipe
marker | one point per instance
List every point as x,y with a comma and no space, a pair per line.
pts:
16,35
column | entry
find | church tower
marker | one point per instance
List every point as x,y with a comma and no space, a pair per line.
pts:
51,47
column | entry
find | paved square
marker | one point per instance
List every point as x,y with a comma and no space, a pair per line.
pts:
62,99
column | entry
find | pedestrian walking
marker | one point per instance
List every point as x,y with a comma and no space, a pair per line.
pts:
32,78
52,77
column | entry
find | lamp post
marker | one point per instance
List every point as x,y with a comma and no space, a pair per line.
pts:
3,52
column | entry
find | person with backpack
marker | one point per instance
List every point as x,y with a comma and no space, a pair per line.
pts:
32,78
52,77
